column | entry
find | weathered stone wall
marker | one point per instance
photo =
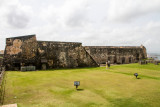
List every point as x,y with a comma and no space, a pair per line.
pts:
27,51
144,52
1,55
1,61
20,51
119,55
63,55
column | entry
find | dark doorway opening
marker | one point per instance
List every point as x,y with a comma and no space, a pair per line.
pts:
103,63
123,60
17,66
137,57
109,58
115,61
130,60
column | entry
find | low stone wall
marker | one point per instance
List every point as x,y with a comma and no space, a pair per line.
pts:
156,62
150,61
142,62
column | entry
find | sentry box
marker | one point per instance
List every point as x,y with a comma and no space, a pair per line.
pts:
76,83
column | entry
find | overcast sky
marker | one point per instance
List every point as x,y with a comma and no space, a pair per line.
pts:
92,22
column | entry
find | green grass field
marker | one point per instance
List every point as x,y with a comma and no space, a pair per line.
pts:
115,87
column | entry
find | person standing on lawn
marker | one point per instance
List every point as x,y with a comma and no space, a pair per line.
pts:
109,64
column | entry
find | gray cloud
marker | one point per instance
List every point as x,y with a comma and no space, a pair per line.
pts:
17,18
98,22
77,19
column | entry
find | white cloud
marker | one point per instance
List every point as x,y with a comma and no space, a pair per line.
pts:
125,10
98,22
71,14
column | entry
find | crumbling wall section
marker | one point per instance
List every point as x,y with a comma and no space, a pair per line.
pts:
118,55
144,52
20,51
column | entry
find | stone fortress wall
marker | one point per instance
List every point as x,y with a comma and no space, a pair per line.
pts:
1,58
117,54
27,51
20,51
1,61
63,55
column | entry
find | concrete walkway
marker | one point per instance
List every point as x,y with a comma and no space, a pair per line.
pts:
9,105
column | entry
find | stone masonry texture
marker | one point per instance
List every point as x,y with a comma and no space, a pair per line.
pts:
27,51
117,55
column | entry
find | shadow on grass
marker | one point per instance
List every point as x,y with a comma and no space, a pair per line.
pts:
80,89
138,78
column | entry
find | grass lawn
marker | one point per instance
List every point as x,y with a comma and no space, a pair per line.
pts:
115,87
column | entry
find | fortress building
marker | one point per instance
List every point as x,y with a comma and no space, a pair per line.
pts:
27,51
117,54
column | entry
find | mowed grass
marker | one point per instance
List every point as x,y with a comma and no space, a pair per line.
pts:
114,87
